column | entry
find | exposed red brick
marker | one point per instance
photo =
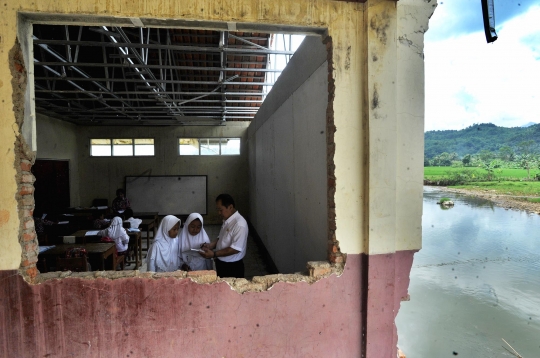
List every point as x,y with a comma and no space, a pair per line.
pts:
26,189
29,224
19,67
27,200
334,254
337,259
333,248
30,261
29,237
27,178
31,246
32,272
26,213
26,165
333,236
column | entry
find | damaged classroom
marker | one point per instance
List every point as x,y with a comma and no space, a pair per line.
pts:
308,113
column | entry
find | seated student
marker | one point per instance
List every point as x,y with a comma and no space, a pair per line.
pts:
118,234
120,203
128,218
193,236
100,222
163,254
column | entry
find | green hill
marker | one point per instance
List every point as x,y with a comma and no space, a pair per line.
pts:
480,137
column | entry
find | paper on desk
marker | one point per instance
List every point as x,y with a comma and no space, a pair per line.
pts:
102,207
63,222
91,233
133,230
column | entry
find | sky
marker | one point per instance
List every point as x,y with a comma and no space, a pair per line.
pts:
469,81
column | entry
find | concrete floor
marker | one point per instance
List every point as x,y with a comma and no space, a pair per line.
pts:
254,262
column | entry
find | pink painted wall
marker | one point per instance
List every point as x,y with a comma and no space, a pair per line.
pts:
388,283
136,317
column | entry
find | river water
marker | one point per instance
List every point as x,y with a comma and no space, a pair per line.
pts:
475,280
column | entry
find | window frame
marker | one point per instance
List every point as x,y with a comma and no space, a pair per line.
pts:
209,155
111,146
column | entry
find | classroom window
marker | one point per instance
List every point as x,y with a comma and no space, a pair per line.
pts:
189,146
209,146
144,147
119,147
230,146
122,147
100,147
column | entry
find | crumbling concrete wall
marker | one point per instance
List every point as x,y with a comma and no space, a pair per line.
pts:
288,161
23,160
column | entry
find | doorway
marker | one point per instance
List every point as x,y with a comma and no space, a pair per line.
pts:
51,186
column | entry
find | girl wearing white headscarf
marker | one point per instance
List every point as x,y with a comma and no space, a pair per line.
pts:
163,254
116,232
193,236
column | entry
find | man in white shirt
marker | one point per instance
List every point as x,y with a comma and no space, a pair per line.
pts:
230,248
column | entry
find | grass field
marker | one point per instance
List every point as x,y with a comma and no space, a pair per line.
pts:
518,188
441,172
507,181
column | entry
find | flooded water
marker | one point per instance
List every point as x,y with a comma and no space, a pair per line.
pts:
475,281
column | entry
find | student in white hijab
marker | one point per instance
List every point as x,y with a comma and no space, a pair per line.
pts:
163,254
116,232
193,236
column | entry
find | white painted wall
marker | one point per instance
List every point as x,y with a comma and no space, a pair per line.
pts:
101,176
287,160
57,139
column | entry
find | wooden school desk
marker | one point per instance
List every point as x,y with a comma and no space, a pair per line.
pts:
99,251
135,243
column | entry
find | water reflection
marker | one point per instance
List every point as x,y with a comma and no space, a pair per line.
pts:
475,281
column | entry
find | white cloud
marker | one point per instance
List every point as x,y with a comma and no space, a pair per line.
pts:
469,81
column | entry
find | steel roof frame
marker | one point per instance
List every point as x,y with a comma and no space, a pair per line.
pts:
138,73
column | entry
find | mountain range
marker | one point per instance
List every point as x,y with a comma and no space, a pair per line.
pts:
478,137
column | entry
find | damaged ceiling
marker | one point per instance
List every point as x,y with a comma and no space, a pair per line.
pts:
149,76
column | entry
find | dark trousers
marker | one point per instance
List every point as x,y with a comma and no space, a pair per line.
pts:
230,269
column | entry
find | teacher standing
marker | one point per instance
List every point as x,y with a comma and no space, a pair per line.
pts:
230,248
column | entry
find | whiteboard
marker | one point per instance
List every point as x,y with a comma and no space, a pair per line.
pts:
168,195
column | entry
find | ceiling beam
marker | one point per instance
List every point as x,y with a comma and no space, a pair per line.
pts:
231,50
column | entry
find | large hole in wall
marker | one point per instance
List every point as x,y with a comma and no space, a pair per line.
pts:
87,86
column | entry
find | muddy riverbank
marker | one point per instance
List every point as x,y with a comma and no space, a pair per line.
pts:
504,201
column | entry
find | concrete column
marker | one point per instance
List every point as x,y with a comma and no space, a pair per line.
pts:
394,118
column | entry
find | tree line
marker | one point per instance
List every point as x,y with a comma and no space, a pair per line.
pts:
484,145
